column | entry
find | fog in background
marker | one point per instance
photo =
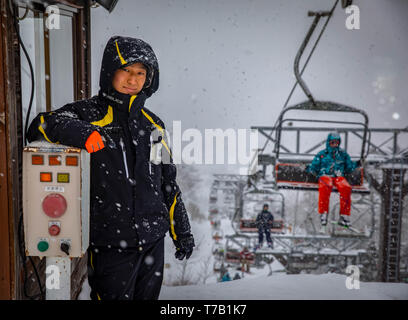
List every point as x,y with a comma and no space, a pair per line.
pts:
229,63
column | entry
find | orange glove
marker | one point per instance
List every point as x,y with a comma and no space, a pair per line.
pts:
94,142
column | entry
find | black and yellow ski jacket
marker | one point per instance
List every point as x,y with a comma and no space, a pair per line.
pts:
134,201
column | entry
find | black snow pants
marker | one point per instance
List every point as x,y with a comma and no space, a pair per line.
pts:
126,274
261,231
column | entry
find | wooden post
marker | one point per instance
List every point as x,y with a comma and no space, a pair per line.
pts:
81,44
10,155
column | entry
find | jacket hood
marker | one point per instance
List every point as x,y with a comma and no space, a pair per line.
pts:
123,51
332,136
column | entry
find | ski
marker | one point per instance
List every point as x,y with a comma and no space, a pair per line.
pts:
347,228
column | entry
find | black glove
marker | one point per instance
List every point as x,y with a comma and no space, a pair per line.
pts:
358,163
184,247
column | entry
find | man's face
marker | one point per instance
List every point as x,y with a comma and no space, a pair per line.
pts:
334,143
130,79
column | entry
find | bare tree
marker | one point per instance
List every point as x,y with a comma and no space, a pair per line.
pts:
184,276
195,211
206,270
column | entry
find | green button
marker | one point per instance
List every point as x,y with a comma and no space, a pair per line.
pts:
42,246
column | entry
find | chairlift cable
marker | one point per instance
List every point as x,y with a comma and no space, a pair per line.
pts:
304,66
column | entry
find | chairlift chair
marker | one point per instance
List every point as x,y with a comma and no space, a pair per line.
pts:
217,266
234,245
213,211
213,198
290,166
217,235
233,256
249,225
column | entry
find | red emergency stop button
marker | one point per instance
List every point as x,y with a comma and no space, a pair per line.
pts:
54,230
54,205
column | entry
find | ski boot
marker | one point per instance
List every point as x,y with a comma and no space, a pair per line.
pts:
344,221
323,219
323,223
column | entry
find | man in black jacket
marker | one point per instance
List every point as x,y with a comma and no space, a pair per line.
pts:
135,199
264,222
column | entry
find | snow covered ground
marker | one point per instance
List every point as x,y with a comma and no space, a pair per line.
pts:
286,287
282,287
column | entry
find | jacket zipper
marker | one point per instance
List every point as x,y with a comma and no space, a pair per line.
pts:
150,163
122,145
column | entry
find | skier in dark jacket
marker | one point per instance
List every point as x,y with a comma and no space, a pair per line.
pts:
134,197
330,165
264,222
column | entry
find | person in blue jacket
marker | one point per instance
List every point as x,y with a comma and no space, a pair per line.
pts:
330,166
226,277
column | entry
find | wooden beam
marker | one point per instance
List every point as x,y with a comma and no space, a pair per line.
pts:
78,4
47,64
11,156
81,44
5,274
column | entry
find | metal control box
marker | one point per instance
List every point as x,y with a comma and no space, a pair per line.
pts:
56,183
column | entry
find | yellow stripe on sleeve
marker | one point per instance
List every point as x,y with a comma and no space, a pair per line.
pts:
152,121
108,118
42,130
92,261
172,217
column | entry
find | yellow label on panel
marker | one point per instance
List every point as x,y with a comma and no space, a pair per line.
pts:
63,177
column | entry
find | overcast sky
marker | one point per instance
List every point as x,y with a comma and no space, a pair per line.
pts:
229,63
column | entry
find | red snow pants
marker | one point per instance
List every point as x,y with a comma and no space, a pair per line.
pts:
325,188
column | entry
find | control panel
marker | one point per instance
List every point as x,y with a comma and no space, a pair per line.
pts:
55,200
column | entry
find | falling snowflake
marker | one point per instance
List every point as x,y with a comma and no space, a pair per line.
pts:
395,116
149,260
123,244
